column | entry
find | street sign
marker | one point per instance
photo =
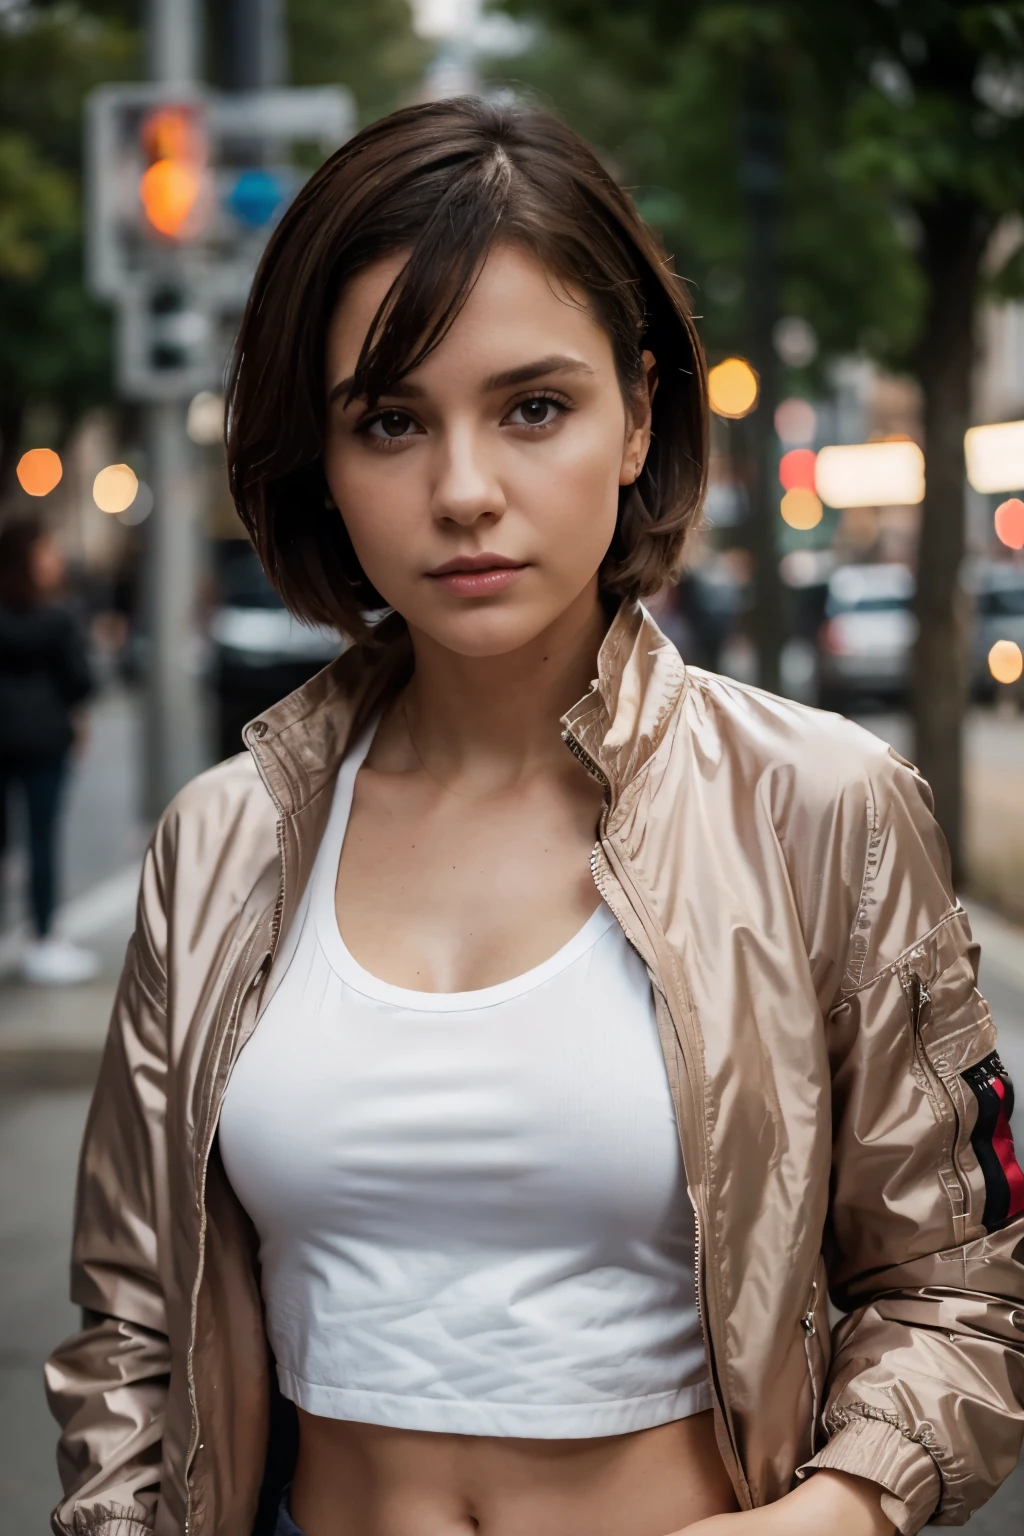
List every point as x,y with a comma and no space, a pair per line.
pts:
183,187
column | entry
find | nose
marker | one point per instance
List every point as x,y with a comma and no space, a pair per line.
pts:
467,488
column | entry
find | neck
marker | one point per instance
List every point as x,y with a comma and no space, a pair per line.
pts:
496,717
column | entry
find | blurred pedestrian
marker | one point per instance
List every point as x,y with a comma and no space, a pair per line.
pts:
44,677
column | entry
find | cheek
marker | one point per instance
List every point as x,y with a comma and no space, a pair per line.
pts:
380,501
570,490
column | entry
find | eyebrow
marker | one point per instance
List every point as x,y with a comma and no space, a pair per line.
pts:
526,373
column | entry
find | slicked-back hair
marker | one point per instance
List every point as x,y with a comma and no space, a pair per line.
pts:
444,182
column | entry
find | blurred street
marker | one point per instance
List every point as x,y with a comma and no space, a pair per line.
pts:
50,1039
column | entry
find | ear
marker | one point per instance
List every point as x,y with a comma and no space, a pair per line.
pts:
638,422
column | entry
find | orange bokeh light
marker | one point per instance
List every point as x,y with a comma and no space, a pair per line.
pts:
169,191
1006,661
796,469
39,470
733,388
1009,521
801,509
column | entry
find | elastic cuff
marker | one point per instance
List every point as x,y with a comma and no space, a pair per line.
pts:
879,1451
103,1522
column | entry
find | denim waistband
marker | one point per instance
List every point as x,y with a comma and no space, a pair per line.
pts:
285,1524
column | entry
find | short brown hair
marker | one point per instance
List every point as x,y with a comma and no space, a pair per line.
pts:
445,181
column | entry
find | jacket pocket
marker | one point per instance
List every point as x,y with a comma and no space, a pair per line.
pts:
932,1068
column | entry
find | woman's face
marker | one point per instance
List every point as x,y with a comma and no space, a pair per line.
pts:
481,494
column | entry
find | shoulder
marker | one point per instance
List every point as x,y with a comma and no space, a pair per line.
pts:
850,818
223,819
814,753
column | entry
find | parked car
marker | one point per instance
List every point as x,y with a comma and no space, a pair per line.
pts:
866,641
258,651
998,591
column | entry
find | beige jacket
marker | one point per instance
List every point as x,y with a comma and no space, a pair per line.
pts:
841,1109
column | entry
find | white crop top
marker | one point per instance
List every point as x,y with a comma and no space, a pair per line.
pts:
471,1207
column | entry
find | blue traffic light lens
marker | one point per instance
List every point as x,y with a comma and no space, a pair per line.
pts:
255,198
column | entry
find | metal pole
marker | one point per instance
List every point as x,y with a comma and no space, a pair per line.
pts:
174,735
172,41
256,51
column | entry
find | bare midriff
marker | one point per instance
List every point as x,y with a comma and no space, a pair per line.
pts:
368,1480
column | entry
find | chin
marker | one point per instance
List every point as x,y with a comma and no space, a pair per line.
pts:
487,628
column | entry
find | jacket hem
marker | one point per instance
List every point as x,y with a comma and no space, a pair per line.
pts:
878,1450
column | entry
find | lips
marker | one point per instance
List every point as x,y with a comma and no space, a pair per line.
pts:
482,562
477,575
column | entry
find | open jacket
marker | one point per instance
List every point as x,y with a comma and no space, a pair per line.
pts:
842,1111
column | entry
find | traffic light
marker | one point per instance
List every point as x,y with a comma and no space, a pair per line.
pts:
174,189
183,186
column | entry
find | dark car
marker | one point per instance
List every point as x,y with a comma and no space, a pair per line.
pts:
258,651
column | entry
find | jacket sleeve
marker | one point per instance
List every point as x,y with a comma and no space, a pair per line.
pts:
925,1240
107,1385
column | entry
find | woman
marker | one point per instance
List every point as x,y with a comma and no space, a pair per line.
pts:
450,1171
44,676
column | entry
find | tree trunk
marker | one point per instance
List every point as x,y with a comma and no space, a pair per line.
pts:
955,233
760,181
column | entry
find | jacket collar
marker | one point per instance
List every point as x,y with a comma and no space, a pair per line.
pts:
298,744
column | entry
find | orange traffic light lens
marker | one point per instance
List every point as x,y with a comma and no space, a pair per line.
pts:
172,133
169,191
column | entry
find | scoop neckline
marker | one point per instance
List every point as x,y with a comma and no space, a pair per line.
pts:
347,967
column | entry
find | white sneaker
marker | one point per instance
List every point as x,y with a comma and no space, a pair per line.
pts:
55,962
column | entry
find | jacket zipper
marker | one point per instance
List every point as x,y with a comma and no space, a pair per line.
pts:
582,756
243,986
810,1327
917,997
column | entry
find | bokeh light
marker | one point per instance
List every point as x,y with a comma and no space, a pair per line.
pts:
733,388
1009,521
39,470
995,456
169,190
885,474
1006,661
800,508
205,421
796,422
115,488
796,470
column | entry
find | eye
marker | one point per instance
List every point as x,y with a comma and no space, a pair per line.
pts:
538,411
389,424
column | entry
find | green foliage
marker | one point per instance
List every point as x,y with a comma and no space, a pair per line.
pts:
54,340
35,200
884,110
369,47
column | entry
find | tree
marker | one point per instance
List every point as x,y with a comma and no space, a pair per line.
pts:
54,339
370,47
901,131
